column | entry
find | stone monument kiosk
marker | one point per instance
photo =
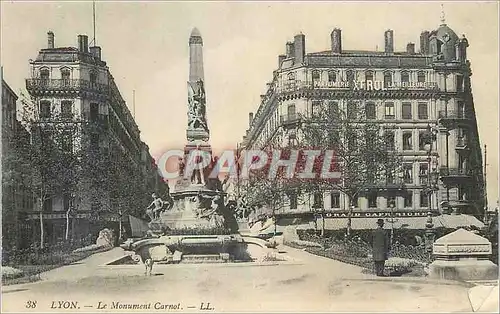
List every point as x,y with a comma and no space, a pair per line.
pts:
462,255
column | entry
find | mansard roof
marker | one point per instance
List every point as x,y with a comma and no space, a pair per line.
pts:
67,54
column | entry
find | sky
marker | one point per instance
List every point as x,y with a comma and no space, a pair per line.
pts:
145,45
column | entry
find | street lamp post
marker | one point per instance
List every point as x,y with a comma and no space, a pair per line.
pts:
431,137
392,220
429,226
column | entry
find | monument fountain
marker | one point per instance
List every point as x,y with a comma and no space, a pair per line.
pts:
197,226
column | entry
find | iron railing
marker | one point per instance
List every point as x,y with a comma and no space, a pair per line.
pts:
65,84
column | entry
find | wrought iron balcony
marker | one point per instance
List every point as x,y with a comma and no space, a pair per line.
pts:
452,115
289,119
454,172
37,84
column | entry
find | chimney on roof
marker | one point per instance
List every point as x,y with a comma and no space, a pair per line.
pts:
83,43
289,50
389,41
250,119
50,40
280,60
300,48
336,38
424,42
96,52
410,48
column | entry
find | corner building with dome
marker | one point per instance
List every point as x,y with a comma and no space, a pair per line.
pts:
411,94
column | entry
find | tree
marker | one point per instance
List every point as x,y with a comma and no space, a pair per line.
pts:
363,150
53,165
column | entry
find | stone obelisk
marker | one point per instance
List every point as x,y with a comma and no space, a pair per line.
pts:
197,131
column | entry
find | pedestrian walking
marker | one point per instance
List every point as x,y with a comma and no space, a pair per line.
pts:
380,246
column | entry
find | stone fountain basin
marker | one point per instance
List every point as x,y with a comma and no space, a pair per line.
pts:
233,247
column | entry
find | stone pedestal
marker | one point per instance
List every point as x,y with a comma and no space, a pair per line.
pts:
462,255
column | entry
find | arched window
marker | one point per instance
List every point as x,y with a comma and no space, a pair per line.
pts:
44,76
387,79
332,76
369,76
405,77
350,76
421,77
291,76
65,76
316,76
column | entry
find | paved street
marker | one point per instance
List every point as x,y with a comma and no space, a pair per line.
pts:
310,283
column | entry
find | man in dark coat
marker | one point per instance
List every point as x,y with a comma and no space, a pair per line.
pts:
380,245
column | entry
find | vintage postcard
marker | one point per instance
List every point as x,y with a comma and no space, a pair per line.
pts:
225,156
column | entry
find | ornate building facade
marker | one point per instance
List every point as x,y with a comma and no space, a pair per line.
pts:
412,95
74,84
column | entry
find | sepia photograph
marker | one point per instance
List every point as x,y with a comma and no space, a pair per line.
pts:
249,156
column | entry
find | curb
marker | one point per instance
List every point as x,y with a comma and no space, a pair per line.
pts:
425,281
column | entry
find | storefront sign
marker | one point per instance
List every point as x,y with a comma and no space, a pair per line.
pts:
344,214
375,85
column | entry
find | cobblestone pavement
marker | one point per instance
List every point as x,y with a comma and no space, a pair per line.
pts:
310,283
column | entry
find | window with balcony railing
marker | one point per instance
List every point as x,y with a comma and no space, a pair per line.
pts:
370,111
423,173
423,111
389,111
408,199
407,141
408,173
406,111
66,77
44,74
